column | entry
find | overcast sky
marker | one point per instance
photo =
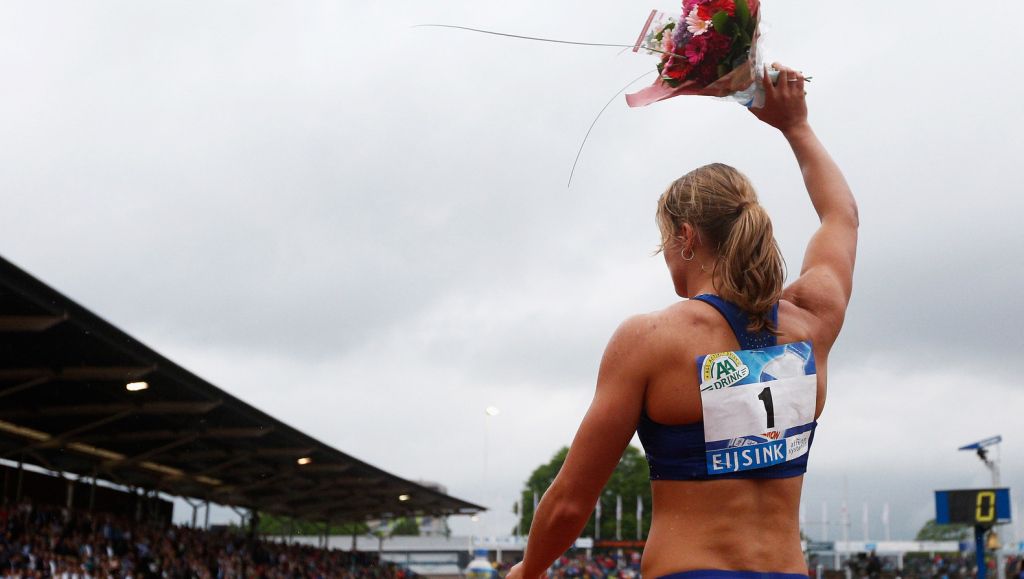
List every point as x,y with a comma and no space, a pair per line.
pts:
364,229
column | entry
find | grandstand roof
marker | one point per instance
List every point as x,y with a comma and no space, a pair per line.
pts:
64,406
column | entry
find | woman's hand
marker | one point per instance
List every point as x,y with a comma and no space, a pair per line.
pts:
516,572
785,107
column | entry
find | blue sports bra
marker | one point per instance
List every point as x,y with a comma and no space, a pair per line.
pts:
677,451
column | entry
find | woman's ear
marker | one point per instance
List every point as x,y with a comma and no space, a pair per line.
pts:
687,237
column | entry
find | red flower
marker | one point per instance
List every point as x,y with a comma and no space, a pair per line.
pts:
718,45
676,69
708,10
707,54
728,6
706,73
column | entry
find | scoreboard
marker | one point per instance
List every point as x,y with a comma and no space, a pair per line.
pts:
972,507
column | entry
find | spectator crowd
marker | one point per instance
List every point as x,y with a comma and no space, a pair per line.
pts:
626,565
613,565
43,542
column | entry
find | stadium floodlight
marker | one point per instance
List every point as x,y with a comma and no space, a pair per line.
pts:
981,448
304,460
492,411
404,498
136,386
982,444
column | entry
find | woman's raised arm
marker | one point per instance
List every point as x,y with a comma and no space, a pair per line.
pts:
826,277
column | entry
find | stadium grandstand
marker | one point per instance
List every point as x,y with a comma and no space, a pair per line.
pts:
93,421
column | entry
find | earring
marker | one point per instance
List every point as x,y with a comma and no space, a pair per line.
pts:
683,255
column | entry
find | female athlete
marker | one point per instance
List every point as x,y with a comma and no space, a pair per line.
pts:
721,253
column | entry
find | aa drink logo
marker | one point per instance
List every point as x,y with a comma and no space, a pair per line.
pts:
721,371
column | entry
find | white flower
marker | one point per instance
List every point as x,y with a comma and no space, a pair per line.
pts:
695,24
651,42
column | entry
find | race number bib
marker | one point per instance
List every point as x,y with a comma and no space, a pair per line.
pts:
758,406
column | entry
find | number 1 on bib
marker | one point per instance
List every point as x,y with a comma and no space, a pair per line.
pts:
766,397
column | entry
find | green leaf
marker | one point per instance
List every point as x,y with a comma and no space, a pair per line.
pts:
722,23
743,13
668,28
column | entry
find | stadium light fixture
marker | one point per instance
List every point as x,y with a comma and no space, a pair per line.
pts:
136,386
304,460
404,498
492,411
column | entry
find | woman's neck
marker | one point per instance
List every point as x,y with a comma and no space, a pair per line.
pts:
701,283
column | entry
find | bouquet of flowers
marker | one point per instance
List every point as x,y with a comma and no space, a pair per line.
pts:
711,49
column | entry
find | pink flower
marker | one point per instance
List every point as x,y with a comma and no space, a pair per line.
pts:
669,44
696,49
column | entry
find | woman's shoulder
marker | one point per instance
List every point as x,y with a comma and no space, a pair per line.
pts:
798,323
682,313
668,327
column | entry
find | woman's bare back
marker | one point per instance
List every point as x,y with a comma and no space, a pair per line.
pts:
735,524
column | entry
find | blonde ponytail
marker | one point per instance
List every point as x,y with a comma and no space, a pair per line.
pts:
721,203
751,269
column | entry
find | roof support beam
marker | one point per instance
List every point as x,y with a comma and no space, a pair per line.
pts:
328,490
41,460
307,469
30,383
335,508
79,373
151,452
209,433
262,483
324,468
375,491
219,454
222,465
65,437
327,481
142,474
87,409
30,323
325,488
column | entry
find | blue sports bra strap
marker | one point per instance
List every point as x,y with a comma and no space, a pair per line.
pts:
738,321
